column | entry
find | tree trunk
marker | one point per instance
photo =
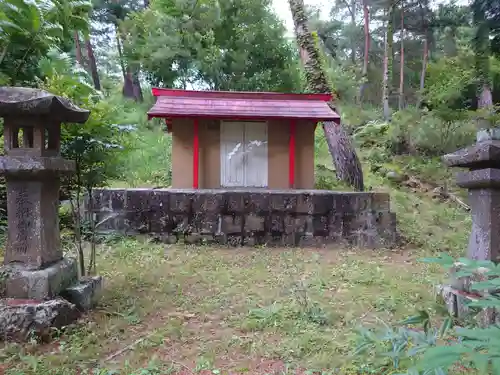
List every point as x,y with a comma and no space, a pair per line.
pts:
345,159
364,78
485,99
78,49
131,86
425,58
353,25
387,78
138,97
128,90
401,99
93,65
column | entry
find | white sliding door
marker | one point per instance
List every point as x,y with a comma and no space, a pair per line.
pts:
244,159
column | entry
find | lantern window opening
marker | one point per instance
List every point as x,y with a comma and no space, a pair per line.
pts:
22,137
51,138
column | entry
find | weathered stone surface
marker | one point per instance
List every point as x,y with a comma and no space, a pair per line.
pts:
169,239
449,298
479,179
486,152
193,239
395,176
15,101
39,284
21,319
33,228
253,216
85,293
35,166
254,223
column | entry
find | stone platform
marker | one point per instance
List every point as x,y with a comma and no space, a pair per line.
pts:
249,216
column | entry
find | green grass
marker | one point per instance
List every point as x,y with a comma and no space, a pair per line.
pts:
230,310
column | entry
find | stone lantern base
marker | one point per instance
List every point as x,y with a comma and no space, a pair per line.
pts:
21,320
47,298
39,284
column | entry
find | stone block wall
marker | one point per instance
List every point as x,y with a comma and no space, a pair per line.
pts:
249,217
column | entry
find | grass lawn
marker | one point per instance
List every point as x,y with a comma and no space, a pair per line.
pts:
183,310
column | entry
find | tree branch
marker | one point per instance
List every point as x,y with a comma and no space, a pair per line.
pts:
351,11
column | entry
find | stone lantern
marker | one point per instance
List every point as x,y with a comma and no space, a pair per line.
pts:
482,180
32,167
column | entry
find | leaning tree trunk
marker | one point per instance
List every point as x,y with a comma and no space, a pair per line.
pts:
364,75
401,99
345,159
387,79
93,65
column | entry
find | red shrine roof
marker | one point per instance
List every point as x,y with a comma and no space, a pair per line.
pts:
236,105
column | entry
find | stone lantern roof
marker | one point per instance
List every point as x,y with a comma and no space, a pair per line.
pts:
33,102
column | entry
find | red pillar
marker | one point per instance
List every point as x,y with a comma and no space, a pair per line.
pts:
196,154
291,154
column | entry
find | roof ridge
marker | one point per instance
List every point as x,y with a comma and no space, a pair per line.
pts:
159,92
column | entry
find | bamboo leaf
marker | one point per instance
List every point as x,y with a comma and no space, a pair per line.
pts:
442,356
480,361
445,326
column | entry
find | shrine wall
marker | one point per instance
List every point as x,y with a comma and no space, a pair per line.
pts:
210,157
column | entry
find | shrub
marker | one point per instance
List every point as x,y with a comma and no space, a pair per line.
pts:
412,131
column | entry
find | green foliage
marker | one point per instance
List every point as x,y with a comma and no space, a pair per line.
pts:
396,349
29,29
91,145
355,116
448,80
428,133
147,162
416,132
205,43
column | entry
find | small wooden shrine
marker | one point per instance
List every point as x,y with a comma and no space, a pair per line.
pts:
242,139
